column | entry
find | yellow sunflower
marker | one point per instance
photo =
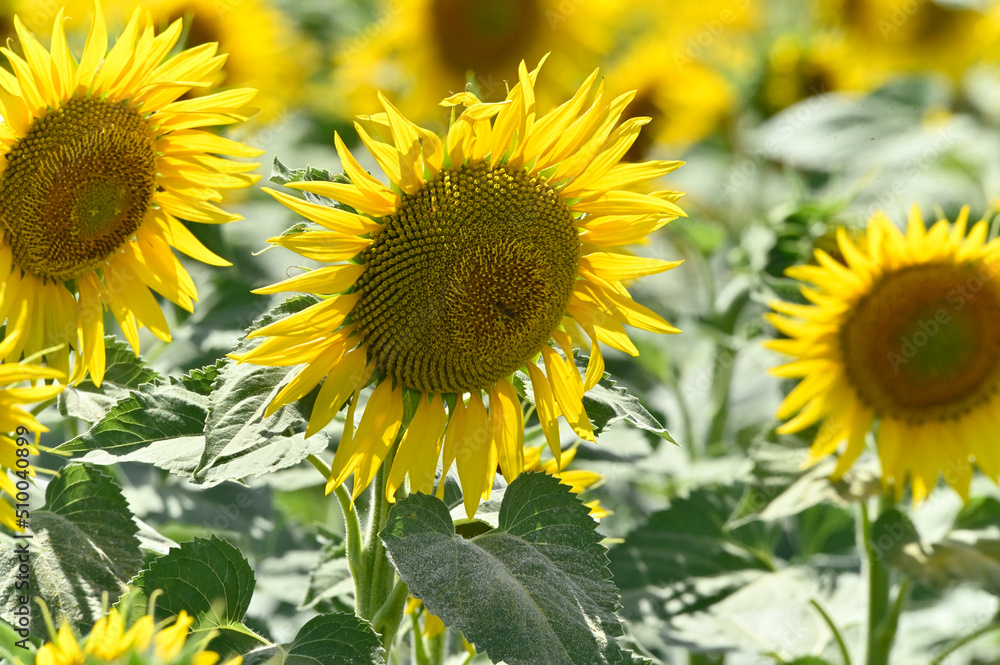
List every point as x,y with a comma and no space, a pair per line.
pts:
801,66
109,641
908,36
417,49
262,48
490,242
99,165
682,63
905,334
16,423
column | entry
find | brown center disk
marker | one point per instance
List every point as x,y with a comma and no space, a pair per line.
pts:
468,280
487,38
76,187
925,343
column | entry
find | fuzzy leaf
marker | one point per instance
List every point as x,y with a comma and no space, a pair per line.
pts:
329,639
124,371
535,590
211,581
239,440
84,545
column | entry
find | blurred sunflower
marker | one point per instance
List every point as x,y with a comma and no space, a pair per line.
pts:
801,66
260,42
490,243
415,49
13,466
908,36
99,164
906,333
686,99
141,644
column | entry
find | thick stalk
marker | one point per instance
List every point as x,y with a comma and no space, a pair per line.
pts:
352,526
882,614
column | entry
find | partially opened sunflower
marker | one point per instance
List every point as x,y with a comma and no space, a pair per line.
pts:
100,165
487,245
140,644
904,336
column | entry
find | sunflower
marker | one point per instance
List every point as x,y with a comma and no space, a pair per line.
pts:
263,50
109,641
100,163
415,49
801,66
906,36
682,64
905,335
490,242
16,422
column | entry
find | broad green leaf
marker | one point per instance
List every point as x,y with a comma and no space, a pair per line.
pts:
329,639
688,556
124,371
84,545
689,539
980,512
535,590
239,440
211,581
607,403
160,424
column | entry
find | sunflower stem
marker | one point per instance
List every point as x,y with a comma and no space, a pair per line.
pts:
962,641
883,615
376,583
352,526
845,655
390,615
419,650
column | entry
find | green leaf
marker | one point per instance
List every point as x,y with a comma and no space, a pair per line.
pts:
211,581
607,403
124,371
981,512
534,590
161,424
282,175
84,545
239,440
330,639
689,539
10,652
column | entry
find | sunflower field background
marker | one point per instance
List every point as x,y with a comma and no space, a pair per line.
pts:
402,394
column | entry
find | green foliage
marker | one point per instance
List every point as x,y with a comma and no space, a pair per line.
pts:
331,639
211,581
84,546
124,371
160,423
535,590
207,425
